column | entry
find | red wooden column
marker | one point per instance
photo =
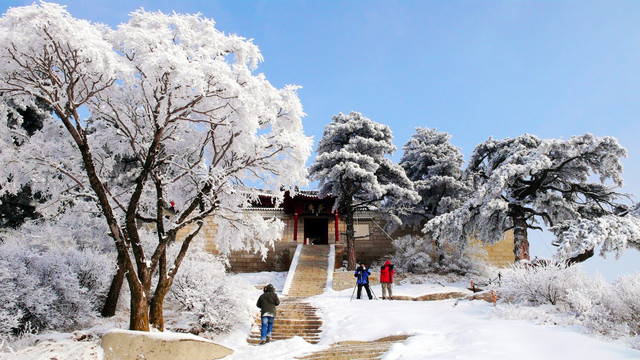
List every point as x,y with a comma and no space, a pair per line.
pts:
337,231
295,227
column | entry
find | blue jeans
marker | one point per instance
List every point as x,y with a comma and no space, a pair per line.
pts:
267,326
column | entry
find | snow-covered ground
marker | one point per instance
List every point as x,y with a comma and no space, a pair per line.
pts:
447,329
442,330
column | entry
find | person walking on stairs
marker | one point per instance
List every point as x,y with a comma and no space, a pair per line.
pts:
386,279
362,274
267,303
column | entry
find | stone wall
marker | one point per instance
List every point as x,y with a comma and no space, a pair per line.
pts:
368,250
277,260
501,253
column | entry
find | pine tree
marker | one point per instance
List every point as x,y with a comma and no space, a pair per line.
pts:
352,166
434,166
520,182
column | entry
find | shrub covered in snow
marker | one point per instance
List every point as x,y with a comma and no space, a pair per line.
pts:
568,295
58,289
54,274
206,299
417,254
546,283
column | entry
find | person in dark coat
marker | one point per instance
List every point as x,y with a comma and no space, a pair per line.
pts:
267,303
362,274
386,279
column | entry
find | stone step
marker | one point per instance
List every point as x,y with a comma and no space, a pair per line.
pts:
307,338
307,289
274,336
310,340
292,325
298,322
294,318
281,309
292,333
350,350
288,335
309,329
284,315
311,272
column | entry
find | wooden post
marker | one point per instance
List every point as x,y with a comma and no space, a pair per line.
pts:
295,227
337,231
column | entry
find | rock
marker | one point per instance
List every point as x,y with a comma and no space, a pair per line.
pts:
135,345
486,296
431,297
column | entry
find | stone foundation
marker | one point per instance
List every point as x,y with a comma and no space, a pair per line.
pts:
278,259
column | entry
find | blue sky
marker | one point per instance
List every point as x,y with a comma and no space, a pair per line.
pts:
472,69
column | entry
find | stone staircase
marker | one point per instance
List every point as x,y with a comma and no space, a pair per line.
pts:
310,276
361,350
294,318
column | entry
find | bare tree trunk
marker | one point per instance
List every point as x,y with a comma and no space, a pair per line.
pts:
166,277
139,317
351,244
111,302
520,239
156,315
438,254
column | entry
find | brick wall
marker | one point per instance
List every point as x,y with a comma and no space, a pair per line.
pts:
500,254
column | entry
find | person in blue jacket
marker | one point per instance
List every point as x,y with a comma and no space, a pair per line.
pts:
362,274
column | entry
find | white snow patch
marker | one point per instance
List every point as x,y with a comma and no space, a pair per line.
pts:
292,270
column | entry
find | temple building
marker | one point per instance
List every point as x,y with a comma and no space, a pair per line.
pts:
310,221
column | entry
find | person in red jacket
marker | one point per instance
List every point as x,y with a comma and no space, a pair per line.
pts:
386,279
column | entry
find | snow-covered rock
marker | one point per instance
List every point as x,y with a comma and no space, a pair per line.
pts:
132,345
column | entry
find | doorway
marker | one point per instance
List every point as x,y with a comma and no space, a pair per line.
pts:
316,229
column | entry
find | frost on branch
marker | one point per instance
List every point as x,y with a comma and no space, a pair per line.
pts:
54,276
420,255
179,129
615,233
522,182
554,293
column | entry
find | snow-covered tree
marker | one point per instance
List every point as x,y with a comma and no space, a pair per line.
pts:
352,166
567,184
434,166
16,208
178,120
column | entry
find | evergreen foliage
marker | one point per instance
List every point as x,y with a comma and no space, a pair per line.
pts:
434,166
569,185
352,166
